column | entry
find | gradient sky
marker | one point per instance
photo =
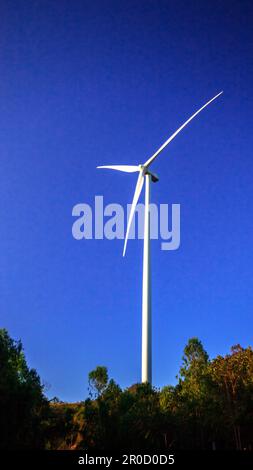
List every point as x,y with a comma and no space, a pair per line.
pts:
84,83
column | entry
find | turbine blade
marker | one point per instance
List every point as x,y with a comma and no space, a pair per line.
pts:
151,159
137,193
125,168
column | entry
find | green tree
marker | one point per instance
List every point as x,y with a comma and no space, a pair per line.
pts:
170,407
100,426
98,380
192,394
142,423
23,407
195,359
232,376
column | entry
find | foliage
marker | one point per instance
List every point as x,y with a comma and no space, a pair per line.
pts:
98,379
23,407
233,379
211,406
63,425
197,413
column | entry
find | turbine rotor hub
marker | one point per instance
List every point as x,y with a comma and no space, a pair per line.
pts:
146,171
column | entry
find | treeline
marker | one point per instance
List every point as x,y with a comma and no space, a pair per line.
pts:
211,407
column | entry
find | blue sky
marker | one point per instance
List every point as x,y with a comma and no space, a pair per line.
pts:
87,83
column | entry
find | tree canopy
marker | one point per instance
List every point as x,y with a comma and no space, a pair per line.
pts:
210,407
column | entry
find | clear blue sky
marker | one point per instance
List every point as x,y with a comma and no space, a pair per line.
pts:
85,83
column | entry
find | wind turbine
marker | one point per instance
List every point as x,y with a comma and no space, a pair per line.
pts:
145,174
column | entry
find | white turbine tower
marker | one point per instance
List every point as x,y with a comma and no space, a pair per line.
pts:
145,174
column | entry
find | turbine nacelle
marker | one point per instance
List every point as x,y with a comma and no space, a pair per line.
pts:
154,177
